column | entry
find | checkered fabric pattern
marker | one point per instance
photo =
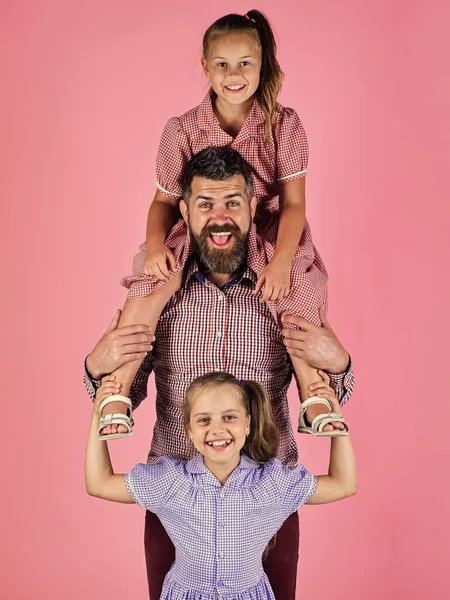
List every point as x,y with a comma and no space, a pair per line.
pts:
204,328
281,159
219,532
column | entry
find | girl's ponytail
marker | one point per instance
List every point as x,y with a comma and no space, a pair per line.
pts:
256,24
262,442
271,74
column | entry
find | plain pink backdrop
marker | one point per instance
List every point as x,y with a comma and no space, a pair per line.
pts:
86,88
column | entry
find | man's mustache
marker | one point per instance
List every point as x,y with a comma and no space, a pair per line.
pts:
211,229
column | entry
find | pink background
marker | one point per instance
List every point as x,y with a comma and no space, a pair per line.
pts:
86,90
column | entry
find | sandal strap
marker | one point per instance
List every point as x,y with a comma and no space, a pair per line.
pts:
314,400
321,420
115,419
115,398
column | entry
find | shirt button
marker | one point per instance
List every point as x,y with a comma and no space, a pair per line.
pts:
220,297
221,524
218,333
221,495
221,554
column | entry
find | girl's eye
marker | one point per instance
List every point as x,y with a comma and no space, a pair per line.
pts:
222,64
230,417
203,420
244,63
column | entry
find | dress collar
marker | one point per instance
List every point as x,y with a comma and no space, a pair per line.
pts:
197,465
207,119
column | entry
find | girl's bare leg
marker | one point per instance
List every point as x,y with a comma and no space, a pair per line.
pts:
144,311
307,375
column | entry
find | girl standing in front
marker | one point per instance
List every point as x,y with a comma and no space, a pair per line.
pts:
240,109
222,507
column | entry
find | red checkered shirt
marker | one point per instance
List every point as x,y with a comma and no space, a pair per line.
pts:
205,328
274,162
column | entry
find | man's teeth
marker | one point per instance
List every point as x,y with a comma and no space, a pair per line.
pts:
222,233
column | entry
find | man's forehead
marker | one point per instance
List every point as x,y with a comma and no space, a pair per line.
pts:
214,187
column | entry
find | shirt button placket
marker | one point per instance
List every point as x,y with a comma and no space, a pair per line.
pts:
220,540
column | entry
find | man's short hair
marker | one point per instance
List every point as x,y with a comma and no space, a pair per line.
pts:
218,163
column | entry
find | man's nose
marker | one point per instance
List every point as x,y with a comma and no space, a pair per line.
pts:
219,216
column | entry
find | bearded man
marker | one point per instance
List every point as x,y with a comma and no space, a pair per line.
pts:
215,321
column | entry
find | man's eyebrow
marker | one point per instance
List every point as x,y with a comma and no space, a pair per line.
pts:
227,197
203,197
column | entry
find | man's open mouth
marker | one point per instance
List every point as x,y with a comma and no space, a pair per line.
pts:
222,239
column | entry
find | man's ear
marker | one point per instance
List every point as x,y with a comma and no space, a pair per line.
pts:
253,206
184,209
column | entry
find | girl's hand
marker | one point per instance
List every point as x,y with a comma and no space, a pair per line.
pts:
159,259
276,277
109,387
324,390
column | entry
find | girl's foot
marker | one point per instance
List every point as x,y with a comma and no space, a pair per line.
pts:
315,410
114,408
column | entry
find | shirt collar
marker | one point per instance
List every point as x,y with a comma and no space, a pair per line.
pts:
207,119
197,465
195,268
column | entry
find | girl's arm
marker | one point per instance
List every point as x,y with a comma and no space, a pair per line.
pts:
341,481
276,276
292,219
162,215
101,481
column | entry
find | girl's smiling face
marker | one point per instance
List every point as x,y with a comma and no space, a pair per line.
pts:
218,425
233,66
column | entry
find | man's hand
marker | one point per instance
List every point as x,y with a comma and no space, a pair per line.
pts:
119,345
319,346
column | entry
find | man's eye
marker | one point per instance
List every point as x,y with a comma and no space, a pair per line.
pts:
205,205
233,203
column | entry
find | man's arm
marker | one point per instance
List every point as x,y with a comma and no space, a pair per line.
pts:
320,347
117,346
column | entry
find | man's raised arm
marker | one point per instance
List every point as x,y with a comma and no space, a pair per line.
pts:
117,346
320,347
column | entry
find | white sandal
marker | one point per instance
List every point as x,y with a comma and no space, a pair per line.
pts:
316,427
115,419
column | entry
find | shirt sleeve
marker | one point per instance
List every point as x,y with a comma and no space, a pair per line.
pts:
149,484
343,384
295,486
174,152
291,146
138,391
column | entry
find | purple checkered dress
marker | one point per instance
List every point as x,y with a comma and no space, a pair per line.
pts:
219,532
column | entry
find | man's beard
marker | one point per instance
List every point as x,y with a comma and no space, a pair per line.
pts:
221,261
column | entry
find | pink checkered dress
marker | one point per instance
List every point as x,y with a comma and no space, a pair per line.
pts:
283,158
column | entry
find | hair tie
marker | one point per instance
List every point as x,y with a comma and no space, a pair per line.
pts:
249,18
242,382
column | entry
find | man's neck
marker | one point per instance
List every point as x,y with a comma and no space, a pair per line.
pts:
220,279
